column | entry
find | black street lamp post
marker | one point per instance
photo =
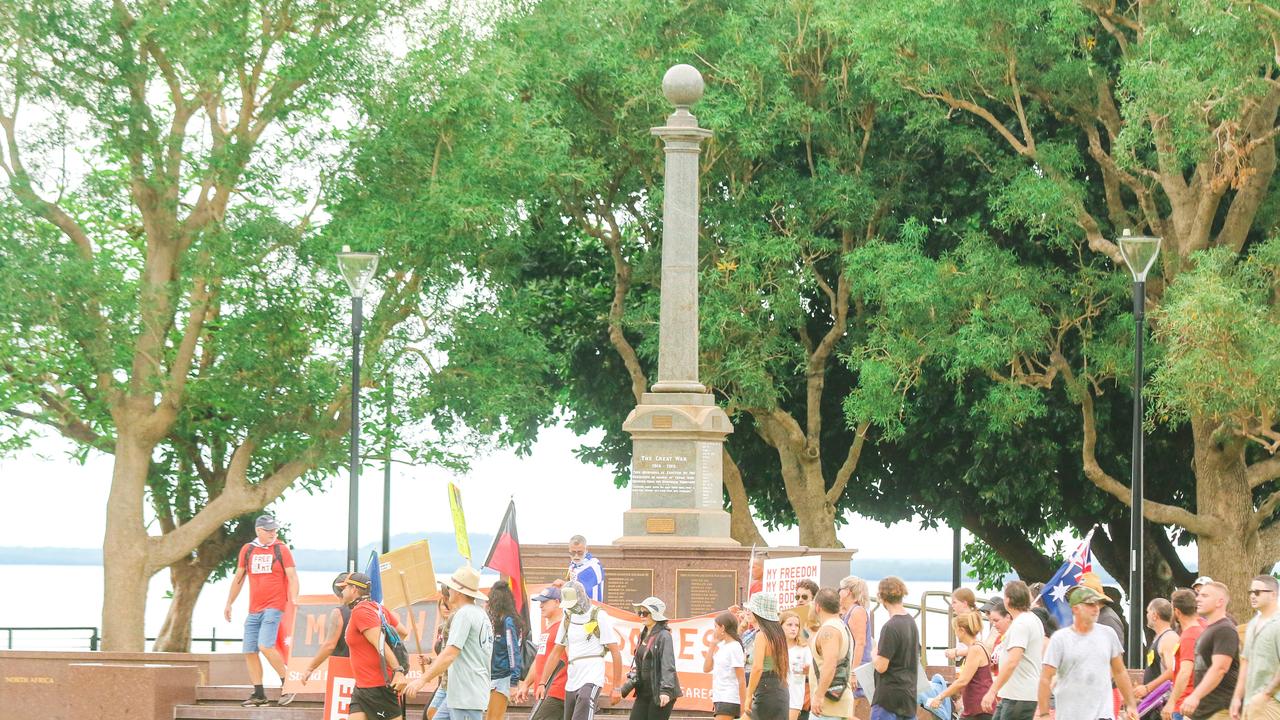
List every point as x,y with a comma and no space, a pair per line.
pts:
357,268
1139,253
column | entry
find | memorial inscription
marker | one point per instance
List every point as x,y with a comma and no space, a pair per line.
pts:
699,592
627,585
536,578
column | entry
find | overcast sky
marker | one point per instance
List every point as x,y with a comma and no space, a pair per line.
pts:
52,501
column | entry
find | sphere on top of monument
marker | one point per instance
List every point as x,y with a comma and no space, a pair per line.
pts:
682,85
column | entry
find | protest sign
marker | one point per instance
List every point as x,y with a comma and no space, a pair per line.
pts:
407,575
781,576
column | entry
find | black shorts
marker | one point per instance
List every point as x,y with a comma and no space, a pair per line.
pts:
380,703
733,710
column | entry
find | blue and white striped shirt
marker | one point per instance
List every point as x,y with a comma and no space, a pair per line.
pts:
590,573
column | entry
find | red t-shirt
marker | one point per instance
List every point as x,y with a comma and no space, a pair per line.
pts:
268,584
1187,651
365,663
557,684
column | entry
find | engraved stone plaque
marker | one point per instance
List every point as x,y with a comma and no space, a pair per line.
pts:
702,591
536,578
623,586
660,525
664,474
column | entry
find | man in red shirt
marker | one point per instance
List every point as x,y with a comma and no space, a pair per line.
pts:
1184,615
552,706
373,662
273,583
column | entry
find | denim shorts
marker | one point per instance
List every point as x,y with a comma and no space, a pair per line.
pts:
260,630
501,685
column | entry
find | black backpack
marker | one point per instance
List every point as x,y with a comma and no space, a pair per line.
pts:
248,548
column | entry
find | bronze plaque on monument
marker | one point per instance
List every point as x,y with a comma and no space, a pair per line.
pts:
699,592
623,586
536,578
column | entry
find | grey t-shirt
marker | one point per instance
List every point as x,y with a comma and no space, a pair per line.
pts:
1083,662
471,632
1027,633
1262,650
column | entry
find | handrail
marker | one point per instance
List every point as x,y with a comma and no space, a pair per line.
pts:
920,613
95,638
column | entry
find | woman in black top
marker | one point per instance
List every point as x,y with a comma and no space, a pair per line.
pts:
767,694
653,671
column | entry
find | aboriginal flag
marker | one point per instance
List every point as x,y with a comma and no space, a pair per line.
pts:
504,557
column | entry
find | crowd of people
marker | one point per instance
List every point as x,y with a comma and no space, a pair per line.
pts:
807,662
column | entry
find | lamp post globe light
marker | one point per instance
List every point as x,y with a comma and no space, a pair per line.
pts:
1139,252
357,269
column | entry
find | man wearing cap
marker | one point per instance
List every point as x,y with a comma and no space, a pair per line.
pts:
467,652
373,661
1075,655
586,636
551,707
335,631
273,584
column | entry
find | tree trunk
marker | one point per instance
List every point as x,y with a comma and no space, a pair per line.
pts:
188,578
1231,554
124,550
742,526
1012,544
815,516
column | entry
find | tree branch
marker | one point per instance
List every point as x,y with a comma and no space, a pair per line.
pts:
850,464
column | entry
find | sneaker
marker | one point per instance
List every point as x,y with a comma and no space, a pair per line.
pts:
255,701
285,699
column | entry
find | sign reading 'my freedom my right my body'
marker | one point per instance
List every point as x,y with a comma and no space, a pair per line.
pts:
781,576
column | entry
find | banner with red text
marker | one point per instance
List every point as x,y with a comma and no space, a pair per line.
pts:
782,574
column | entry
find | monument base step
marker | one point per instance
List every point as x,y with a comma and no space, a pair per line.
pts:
222,702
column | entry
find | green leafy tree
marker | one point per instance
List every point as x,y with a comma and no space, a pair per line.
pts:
163,305
1092,118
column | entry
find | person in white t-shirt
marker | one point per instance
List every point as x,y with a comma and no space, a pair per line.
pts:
798,658
1018,683
726,661
586,636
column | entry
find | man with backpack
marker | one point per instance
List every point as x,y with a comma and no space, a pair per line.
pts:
273,583
373,641
586,635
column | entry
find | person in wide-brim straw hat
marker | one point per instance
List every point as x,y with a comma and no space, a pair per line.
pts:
466,581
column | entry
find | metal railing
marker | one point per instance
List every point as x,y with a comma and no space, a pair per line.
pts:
95,638
921,614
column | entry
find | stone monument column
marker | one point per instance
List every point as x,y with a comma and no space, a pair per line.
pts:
677,431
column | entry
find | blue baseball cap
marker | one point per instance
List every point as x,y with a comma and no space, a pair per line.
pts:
550,593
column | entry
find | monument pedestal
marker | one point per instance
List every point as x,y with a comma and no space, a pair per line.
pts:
676,486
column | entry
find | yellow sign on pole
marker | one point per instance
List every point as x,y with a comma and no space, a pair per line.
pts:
459,522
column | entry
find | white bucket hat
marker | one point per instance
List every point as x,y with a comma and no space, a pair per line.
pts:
657,609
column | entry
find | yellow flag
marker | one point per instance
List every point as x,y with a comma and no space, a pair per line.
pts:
459,522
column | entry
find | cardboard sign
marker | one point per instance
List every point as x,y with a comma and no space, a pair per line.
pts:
311,617
781,576
407,575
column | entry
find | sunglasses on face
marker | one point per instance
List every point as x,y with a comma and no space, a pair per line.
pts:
803,598
642,613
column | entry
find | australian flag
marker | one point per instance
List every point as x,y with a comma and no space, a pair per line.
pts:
1054,594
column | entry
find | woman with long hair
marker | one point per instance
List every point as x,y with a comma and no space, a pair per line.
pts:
654,667
767,696
974,678
726,660
508,642
798,659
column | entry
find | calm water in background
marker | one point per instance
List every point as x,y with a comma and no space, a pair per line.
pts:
71,595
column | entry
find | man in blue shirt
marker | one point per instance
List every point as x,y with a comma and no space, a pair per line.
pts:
586,568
